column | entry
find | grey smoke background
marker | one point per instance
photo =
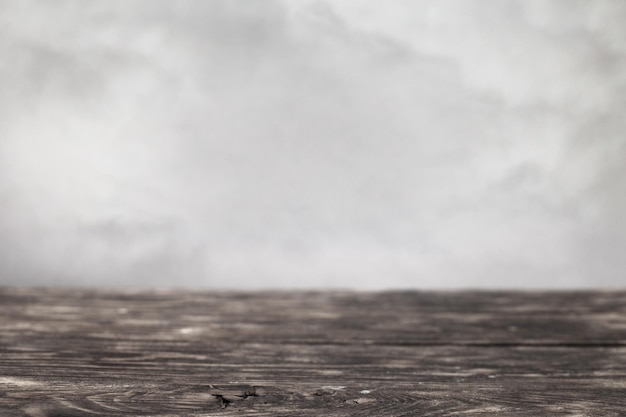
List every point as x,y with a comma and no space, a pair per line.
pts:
363,144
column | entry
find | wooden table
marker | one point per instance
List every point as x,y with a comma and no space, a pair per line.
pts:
75,353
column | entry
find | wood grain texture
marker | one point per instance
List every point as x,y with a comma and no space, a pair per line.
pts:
68,352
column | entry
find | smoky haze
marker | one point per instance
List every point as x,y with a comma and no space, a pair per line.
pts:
359,144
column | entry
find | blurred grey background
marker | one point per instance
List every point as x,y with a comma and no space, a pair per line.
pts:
352,143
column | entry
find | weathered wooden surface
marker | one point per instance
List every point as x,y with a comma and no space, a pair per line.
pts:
72,353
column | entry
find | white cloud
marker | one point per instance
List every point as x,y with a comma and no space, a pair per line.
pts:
312,143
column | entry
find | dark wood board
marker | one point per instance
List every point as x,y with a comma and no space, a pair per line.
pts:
79,352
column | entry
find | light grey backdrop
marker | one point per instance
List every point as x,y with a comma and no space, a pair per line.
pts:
352,143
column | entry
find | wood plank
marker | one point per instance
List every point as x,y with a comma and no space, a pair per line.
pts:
410,318
177,353
318,380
